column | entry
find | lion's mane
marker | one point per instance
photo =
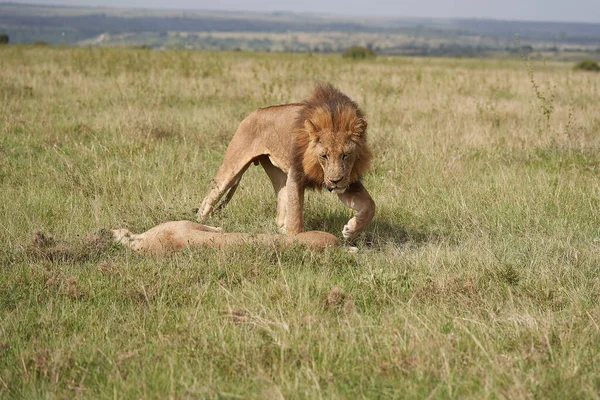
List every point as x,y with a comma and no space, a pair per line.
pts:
328,109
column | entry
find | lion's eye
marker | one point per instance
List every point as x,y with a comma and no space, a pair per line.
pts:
324,156
344,156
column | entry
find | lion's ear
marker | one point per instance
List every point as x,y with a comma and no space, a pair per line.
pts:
312,130
359,128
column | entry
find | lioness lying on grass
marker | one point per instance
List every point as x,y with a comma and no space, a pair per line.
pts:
173,236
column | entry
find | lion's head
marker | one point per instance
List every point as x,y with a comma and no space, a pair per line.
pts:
331,141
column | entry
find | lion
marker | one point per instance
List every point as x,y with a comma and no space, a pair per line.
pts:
321,142
173,236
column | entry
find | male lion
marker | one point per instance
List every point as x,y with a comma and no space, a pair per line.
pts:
319,142
173,236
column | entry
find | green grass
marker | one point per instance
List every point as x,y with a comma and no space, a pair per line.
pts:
478,278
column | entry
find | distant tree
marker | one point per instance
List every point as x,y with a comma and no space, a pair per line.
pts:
358,53
4,38
527,49
587,65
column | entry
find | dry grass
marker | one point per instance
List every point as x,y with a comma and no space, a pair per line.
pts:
478,277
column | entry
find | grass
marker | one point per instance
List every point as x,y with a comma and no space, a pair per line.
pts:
478,277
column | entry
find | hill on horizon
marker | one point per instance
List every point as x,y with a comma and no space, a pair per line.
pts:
286,31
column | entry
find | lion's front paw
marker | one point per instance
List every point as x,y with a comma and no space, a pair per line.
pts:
348,233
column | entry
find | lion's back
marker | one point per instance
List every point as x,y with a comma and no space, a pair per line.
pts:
268,131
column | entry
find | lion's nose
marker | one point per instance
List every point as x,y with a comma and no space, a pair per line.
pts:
336,180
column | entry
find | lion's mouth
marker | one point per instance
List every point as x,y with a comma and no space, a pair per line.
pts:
336,189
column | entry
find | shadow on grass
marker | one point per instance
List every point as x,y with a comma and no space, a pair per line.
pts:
378,234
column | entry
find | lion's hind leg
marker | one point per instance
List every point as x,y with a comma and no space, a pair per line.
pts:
229,194
227,180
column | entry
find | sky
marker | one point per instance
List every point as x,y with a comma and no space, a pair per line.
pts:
527,10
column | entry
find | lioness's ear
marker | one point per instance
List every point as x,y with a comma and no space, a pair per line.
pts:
359,128
311,129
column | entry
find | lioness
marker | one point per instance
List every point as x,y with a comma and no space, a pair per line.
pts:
173,236
319,142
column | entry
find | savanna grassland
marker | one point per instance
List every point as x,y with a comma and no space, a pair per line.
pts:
478,278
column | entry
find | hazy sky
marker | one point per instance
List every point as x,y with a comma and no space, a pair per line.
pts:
532,10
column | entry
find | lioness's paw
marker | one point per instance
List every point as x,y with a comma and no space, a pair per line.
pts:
216,229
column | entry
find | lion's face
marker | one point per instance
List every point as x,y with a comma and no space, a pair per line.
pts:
336,158
336,155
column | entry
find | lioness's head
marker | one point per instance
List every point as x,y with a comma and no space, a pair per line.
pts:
331,140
